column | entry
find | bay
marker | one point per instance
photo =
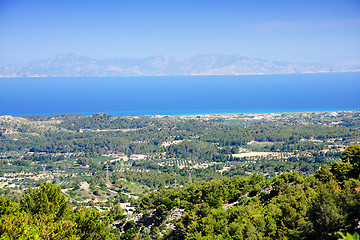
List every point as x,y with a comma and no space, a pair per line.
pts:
180,95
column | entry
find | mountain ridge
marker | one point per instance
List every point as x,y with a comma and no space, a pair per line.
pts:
78,65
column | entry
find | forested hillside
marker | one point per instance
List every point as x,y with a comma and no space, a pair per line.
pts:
241,176
284,207
253,207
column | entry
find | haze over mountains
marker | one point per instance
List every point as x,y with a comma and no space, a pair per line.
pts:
77,65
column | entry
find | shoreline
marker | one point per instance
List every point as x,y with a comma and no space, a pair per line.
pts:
181,96
192,115
271,112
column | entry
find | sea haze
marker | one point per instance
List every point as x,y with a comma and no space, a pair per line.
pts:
180,95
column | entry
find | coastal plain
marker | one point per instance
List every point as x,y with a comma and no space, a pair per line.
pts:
133,163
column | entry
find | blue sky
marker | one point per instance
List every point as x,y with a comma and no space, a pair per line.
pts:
302,30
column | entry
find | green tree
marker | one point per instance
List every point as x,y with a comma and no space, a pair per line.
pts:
90,224
46,199
341,170
324,174
352,154
116,212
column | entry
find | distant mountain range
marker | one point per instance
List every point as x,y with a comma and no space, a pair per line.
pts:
77,65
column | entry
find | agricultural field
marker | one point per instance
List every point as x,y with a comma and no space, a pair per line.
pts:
155,177
100,159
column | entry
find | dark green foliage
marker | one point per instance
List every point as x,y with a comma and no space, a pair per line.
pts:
352,154
285,207
217,205
192,150
46,199
90,224
161,212
130,231
44,214
341,170
116,212
250,207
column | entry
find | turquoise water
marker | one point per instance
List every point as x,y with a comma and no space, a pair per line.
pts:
180,95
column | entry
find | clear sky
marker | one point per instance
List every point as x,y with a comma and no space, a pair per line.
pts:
288,30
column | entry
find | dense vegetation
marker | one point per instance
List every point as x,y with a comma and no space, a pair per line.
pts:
44,213
274,176
51,139
252,207
284,207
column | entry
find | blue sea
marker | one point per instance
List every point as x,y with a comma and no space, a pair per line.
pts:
180,95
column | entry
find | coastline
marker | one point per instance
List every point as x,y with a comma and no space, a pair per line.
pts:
194,115
181,96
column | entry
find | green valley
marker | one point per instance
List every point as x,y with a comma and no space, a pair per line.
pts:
239,176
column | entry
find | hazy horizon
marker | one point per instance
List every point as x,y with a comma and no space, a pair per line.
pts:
306,31
64,53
